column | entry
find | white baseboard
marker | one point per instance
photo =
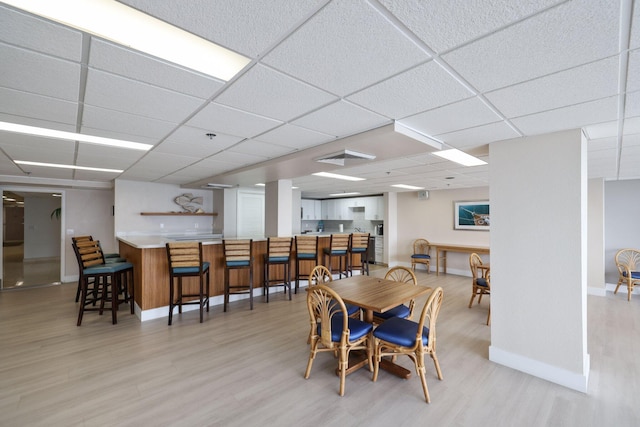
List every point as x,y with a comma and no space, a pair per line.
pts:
554,374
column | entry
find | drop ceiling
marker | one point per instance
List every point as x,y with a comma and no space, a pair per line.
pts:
326,76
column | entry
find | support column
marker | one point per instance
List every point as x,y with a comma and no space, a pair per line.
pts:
278,208
538,194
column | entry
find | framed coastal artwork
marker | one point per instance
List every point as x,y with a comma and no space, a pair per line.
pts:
472,215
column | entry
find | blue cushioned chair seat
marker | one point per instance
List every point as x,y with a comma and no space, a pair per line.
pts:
327,251
481,282
108,268
191,270
352,309
358,250
237,263
634,274
114,259
421,256
278,259
306,256
111,255
401,332
357,328
399,311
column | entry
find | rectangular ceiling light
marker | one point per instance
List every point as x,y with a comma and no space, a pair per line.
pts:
353,193
55,165
460,157
425,139
129,27
407,187
218,186
337,176
72,136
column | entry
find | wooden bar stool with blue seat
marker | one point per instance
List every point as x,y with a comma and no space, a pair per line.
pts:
306,250
108,258
338,248
185,260
102,282
359,245
238,255
278,254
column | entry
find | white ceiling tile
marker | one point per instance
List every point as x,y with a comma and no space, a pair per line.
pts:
20,103
106,157
341,119
48,173
443,25
339,49
422,88
602,130
573,117
130,124
632,107
239,159
264,149
212,166
22,29
39,74
478,135
571,34
131,64
272,94
94,175
167,162
633,71
218,118
461,115
121,94
294,136
190,141
631,126
608,143
247,27
573,86
634,41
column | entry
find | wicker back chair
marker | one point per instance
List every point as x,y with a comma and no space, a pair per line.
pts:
398,336
480,281
403,275
628,264
421,248
332,330
320,275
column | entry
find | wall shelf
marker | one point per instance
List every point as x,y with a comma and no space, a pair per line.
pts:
179,214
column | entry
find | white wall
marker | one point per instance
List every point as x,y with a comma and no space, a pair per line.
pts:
596,257
41,231
433,219
538,192
134,197
622,221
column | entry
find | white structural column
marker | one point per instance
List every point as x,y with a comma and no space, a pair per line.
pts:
538,195
278,208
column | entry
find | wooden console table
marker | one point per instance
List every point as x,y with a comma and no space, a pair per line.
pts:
442,249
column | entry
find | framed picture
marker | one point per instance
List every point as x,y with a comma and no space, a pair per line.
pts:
472,215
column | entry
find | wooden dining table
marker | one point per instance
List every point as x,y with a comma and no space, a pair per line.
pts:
380,295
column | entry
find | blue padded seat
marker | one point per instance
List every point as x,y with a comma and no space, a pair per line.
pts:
352,309
191,270
357,328
237,263
107,268
306,256
278,258
634,274
399,311
359,250
401,332
421,256
330,252
481,281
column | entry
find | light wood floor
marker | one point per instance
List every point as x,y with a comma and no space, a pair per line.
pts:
245,368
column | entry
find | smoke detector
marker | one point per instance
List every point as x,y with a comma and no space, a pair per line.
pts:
341,157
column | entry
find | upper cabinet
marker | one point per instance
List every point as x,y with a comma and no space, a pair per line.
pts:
311,209
342,209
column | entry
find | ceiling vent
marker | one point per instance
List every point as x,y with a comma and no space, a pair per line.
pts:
341,157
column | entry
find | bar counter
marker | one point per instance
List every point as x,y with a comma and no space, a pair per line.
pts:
148,255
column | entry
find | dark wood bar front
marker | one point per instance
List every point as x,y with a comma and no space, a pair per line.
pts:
151,271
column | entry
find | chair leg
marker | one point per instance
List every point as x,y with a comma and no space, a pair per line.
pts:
421,373
251,287
437,364
473,295
83,300
489,317
343,364
226,288
170,300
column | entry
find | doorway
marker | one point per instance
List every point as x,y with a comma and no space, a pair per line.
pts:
30,239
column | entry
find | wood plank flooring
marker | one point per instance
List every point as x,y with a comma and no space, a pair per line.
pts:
245,368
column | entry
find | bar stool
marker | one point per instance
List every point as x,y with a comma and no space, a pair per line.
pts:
359,245
338,247
238,255
306,250
185,260
102,282
108,258
278,253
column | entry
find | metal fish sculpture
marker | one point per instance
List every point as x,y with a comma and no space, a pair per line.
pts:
187,202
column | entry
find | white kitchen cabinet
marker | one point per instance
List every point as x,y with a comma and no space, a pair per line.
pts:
374,208
311,209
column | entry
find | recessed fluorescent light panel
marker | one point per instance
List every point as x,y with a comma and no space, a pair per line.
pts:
425,139
460,157
407,187
55,165
71,136
353,193
219,186
337,176
129,27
